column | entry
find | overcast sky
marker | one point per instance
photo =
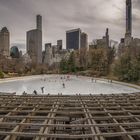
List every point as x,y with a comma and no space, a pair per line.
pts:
92,16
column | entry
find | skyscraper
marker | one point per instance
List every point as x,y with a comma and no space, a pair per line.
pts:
59,44
34,45
107,37
34,42
73,39
128,34
4,41
128,18
84,40
48,54
39,22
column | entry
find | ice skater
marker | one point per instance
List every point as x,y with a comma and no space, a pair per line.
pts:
68,77
35,92
92,80
42,89
63,85
24,93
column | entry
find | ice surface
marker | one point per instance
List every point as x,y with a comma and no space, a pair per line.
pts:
53,84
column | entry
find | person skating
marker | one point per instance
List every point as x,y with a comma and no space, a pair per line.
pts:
24,93
35,92
42,89
92,80
63,85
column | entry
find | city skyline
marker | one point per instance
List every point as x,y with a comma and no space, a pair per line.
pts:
56,21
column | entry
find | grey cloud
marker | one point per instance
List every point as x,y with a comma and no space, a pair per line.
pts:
136,4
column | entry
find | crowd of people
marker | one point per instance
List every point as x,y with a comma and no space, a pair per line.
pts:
63,79
63,82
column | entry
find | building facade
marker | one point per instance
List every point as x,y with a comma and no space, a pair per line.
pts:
4,42
39,22
34,45
128,17
84,41
73,39
60,44
47,55
128,34
104,42
14,52
34,42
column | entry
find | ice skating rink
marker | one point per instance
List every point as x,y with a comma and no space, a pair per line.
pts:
65,84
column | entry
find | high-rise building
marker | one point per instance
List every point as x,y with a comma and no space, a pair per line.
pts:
39,22
34,42
128,34
4,42
128,18
104,42
47,58
73,39
84,40
107,37
34,45
60,44
14,52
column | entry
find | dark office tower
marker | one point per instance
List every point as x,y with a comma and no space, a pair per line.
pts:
84,40
73,39
39,22
128,18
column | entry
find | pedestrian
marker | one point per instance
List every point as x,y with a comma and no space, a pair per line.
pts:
35,92
42,89
68,77
63,85
92,80
24,93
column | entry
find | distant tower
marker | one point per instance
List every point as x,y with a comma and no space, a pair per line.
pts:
34,45
39,22
4,41
84,41
107,37
128,18
73,39
34,42
48,54
59,44
14,52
